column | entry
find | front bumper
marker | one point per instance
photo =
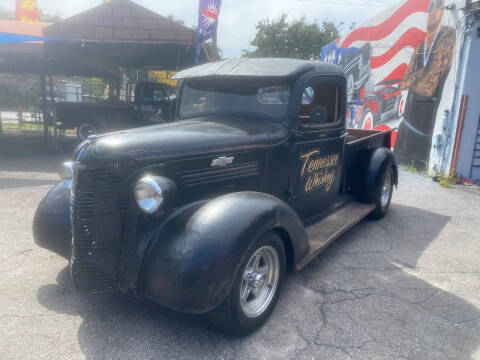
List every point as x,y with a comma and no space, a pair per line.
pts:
51,225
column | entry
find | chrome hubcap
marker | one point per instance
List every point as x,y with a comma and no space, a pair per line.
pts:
259,281
386,189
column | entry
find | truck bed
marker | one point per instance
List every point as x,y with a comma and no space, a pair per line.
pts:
355,137
358,147
106,116
358,142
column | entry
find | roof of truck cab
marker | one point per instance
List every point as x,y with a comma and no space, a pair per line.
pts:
258,67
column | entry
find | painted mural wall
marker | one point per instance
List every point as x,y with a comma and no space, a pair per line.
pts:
397,65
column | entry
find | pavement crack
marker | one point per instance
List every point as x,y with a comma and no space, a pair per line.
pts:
341,349
468,320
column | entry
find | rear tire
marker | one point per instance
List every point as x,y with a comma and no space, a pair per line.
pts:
255,290
382,194
87,129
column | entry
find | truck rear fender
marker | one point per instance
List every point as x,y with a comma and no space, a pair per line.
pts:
380,159
192,259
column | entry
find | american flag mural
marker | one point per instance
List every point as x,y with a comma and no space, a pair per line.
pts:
393,62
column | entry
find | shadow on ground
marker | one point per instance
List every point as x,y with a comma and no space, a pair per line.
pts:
10,183
18,145
361,298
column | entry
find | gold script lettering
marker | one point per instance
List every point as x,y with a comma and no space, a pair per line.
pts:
318,170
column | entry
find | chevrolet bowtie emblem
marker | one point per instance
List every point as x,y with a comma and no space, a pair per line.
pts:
222,161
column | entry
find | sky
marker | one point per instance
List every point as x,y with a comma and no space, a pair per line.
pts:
238,17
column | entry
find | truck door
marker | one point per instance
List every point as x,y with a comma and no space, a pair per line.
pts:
318,146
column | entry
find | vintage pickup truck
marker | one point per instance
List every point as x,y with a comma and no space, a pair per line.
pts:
204,215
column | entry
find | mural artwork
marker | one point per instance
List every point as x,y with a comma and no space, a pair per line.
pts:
396,65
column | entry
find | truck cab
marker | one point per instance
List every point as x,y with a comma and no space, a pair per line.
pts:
257,175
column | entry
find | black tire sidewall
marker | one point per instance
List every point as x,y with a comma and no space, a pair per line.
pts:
229,316
381,210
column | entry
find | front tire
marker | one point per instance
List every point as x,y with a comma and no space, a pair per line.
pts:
255,290
382,195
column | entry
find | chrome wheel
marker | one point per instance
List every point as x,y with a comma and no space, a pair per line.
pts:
259,281
386,189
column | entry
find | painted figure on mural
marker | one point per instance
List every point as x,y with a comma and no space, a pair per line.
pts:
424,79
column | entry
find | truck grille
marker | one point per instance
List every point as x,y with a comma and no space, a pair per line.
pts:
98,205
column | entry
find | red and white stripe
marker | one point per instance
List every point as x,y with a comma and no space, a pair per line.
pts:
393,35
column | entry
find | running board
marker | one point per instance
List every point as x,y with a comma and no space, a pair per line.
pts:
330,228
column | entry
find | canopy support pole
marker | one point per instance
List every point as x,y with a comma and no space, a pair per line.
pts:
53,114
43,89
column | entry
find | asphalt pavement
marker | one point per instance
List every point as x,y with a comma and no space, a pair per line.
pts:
406,287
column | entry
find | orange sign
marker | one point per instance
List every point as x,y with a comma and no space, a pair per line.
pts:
27,10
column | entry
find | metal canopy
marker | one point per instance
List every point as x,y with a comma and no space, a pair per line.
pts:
100,42
103,42
118,34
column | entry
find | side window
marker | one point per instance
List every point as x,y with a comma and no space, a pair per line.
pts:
319,105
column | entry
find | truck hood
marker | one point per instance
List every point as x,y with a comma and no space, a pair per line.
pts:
188,137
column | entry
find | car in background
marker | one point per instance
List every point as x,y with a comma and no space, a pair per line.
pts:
386,103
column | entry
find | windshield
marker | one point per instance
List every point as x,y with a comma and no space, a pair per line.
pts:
221,97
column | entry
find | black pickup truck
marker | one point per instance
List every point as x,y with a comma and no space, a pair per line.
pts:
153,104
204,215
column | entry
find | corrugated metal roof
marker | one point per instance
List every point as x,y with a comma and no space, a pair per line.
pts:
122,21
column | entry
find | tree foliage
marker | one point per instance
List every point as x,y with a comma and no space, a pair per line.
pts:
45,16
173,18
293,39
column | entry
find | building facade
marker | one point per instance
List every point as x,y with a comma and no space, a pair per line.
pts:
408,69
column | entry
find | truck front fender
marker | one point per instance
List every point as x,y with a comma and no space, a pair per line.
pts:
52,228
193,258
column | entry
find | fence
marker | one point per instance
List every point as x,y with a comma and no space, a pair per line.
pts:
20,121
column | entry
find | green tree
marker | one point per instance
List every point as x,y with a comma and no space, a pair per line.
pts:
293,39
208,45
173,18
47,17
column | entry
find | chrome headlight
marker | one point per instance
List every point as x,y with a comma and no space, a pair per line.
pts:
66,171
151,193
